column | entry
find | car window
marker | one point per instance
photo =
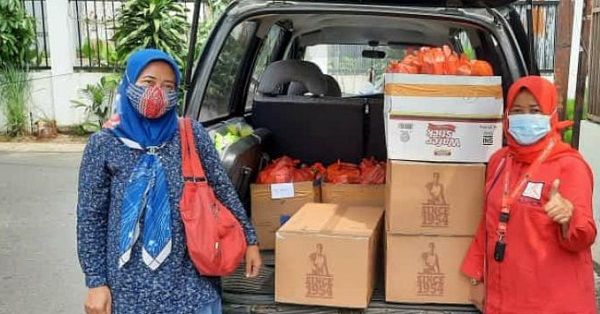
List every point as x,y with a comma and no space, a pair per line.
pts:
265,57
355,74
217,99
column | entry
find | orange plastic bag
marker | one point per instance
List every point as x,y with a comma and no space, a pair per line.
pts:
343,172
372,171
286,170
439,61
303,174
481,68
280,170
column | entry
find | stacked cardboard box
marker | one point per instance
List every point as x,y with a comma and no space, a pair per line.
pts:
326,254
432,212
353,194
273,204
439,132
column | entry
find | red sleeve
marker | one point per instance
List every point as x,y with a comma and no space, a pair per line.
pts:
472,265
576,184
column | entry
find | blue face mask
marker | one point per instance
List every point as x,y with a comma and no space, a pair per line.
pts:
527,129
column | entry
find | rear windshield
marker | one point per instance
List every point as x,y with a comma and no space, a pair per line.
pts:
359,75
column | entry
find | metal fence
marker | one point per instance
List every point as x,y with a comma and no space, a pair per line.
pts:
94,26
594,73
39,52
94,23
545,22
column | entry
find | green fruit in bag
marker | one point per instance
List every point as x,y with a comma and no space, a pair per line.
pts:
246,130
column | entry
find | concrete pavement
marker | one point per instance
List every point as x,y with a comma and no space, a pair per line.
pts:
39,272
41,147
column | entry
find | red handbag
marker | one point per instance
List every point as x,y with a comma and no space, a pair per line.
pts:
215,239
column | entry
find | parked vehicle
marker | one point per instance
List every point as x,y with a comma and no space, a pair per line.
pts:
308,77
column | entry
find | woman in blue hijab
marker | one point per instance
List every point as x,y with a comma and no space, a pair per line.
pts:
131,241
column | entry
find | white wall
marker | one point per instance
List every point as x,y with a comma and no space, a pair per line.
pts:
66,88
588,145
51,96
52,90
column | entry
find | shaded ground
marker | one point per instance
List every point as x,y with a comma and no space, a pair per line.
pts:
39,272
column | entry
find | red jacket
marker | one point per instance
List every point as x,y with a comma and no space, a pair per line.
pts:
542,272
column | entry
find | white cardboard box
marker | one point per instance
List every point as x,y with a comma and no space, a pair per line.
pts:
444,96
443,118
442,140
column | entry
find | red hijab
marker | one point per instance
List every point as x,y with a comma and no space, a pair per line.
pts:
546,95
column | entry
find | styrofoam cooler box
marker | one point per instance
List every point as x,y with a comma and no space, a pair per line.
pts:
443,118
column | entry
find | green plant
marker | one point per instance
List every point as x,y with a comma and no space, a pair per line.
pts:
15,89
97,102
16,34
157,24
97,49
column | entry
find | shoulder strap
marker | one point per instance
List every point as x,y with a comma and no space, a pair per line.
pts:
190,161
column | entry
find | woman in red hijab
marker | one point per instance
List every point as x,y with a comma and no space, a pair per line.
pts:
531,253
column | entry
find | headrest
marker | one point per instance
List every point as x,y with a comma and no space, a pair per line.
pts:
333,88
279,74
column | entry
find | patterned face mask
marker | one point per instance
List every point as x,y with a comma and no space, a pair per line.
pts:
151,102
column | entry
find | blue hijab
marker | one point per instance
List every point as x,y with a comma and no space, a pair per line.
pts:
134,126
147,193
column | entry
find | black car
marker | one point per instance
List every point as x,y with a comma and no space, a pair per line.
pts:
307,76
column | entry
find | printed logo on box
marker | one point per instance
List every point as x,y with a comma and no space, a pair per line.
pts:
488,138
430,281
405,129
436,210
442,135
319,282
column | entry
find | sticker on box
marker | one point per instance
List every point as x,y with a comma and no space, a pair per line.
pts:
282,190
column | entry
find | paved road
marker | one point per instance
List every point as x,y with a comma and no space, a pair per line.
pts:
39,272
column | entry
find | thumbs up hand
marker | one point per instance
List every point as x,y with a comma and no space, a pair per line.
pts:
558,208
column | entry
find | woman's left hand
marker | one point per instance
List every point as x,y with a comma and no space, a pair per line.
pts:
253,261
558,208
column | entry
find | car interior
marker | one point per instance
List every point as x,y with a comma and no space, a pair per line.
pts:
311,86
297,94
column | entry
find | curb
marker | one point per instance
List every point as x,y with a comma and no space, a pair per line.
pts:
42,147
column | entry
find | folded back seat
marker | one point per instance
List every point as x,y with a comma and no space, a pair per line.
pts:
320,127
309,128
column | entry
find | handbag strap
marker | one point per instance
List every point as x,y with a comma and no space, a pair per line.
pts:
190,161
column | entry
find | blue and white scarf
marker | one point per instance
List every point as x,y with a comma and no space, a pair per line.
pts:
146,195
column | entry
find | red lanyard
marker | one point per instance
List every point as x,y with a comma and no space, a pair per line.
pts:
509,197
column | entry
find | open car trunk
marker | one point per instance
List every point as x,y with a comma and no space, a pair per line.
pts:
324,128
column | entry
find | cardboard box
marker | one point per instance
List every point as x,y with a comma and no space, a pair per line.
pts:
434,198
273,204
426,269
449,96
326,255
443,117
353,194
425,139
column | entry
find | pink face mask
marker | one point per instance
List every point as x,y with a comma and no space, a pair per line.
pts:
151,102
